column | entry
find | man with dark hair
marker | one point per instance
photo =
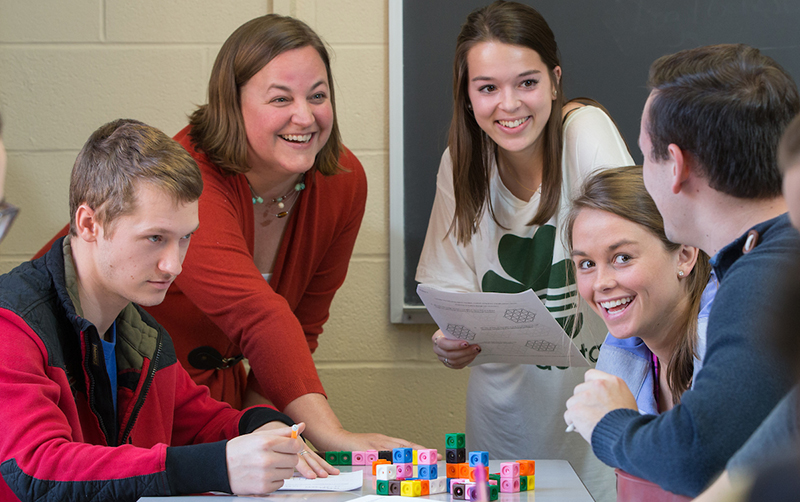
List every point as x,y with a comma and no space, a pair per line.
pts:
709,135
95,405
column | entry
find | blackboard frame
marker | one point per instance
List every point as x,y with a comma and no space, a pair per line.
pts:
606,56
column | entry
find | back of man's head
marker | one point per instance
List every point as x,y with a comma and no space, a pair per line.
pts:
120,154
727,105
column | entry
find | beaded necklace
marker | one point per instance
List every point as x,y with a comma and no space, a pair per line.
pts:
281,201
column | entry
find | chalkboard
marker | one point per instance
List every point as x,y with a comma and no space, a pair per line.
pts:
606,48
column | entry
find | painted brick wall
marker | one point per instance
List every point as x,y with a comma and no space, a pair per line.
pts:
68,67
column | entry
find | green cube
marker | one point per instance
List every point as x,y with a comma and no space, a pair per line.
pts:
495,477
523,483
494,492
382,487
456,440
332,457
345,458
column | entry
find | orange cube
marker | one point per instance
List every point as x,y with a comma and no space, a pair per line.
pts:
528,466
472,473
463,471
452,470
426,487
378,462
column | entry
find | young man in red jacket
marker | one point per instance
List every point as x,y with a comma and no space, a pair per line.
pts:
95,405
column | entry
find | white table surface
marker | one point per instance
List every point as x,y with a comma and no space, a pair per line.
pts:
556,481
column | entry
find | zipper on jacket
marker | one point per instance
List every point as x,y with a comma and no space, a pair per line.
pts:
92,384
151,373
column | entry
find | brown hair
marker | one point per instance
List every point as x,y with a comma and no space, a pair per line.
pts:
620,191
789,147
117,156
218,127
728,106
471,149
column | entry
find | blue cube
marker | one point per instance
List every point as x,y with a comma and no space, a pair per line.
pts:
428,471
402,455
476,457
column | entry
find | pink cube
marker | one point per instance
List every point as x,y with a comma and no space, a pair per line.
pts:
405,471
470,492
509,470
370,456
509,485
426,457
359,458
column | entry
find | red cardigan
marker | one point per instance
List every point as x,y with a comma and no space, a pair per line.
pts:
221,300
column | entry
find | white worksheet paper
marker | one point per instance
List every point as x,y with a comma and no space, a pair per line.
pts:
513,328
343,482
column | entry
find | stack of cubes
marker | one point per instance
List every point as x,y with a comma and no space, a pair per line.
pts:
519,476
351,458
399,478
461,469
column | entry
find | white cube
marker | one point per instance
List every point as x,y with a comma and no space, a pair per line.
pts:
386,472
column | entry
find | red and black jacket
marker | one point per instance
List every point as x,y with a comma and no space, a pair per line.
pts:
61,439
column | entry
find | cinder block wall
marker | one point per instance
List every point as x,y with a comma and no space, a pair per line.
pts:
68,67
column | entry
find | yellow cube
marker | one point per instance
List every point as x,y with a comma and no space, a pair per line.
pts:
414,457
531,482
406,488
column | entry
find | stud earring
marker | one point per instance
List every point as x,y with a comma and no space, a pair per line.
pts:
469,105
555,93
680,273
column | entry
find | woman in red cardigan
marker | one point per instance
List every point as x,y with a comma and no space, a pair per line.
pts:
280,212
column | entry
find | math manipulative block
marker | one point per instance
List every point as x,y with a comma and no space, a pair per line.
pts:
427,471
345,458
414,457
402,456
416,485
509,469
387,472
531,483
458,491
472,473
455,455
452,470
359,458
378,462
394,488
456,440
425,487
426,457
527,467
437,486
463,471
509,485
478,457
471,492
495,477
385,455
382,487
494,492
332,457
406,489
523,483
370,456
405,471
